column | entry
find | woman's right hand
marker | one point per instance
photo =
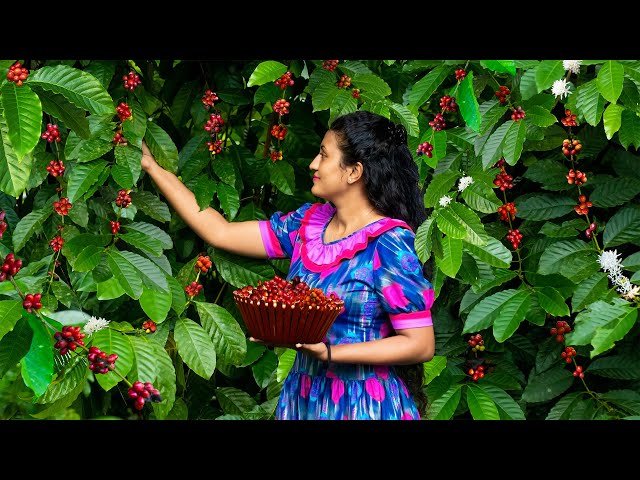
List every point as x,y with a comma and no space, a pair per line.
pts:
147,160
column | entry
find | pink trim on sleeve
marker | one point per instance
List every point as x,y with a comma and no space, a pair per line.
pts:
270,241
400,321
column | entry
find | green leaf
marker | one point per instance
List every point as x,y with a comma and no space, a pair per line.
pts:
422,90
610,79
598,315
15,345
156,304
543,206
479,196
605,338
127,169
590,102
481,405
152,206
74,245
178,298
265,72
438,186
547,385
468,103
500,66
528,88
240,271
59,107
235,401
151,230
162,147
371,83
451,258
450,223
614,191
560,252
513,142
87,259
506,405
144,365
548,72
494,253
149,272
282,176
540,116
204,188
323,96
144,242
423,239
229,200
135,126
195,347
511,314
612,119
406,118
564,407
457,216
14,170
23,114
28,225
74,373
82,177
589,290
125,273
552,301
79,87
618,367
103,70
225,332
37,364
629,133
109,289
492,151
165,382
487,310
622,227
223,167
444,407
263,369
10,313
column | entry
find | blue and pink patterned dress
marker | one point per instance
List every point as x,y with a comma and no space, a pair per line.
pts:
377,273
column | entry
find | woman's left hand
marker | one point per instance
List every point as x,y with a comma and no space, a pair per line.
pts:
316,350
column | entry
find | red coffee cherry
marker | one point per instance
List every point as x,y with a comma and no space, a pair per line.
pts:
576,177
503,180
203,263
279,131
115,227
142,393
52,134
460,74
568,353
448,104
193,289
10,267
476,342
62,206
476,373
281,107
32,302
17,74
284,81
571,147
559,330
425,149
355,93
503,93
57,243
215,147
123,199
149,326
118,139
276,155
569,120
578,372
506,211
131,81
344,82
68,339
123,111
214,124
209,98
330,65
55,168
100,362
515,237
583,205
438,123
518,114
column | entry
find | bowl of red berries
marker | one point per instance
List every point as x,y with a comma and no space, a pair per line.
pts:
286,312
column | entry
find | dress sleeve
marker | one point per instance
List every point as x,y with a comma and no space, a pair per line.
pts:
403,290
280,231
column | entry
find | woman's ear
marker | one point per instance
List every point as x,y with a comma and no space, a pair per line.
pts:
356,172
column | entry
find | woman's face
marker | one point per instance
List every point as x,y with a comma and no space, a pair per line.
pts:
329,177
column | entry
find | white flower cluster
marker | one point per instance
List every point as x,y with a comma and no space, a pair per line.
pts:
560,88
572,66
464,183
610,263
445,200
94,324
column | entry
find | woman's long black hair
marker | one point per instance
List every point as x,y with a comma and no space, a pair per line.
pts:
391,180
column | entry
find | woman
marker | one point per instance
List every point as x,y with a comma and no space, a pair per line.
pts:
359,245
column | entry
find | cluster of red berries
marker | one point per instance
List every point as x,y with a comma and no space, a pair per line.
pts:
518,114
284,81
425,149
10,267
68,339
3,224
503,93
115,226
32,302
62,206
568,353
507,210
559,330
203,263
276,155
583,206
119,139
124,111
215,147
55,168
448,103
330,65
460,74
57,243
214,124
578,372
100,362
515,237
131,81
193,289
476,342
52,134
571,147
503,180
123,199
142,393
344,82
355,93
576,176
281,107
209,98
591,230
17,73
289,292
149,326
476,373
279,131
438,123
569,120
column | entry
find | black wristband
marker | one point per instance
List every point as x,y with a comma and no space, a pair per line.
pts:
328,345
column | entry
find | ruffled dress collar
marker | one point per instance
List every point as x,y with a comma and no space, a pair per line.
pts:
317,255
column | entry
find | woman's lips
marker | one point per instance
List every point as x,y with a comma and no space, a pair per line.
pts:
315,178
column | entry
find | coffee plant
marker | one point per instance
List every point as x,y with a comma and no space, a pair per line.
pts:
111,307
